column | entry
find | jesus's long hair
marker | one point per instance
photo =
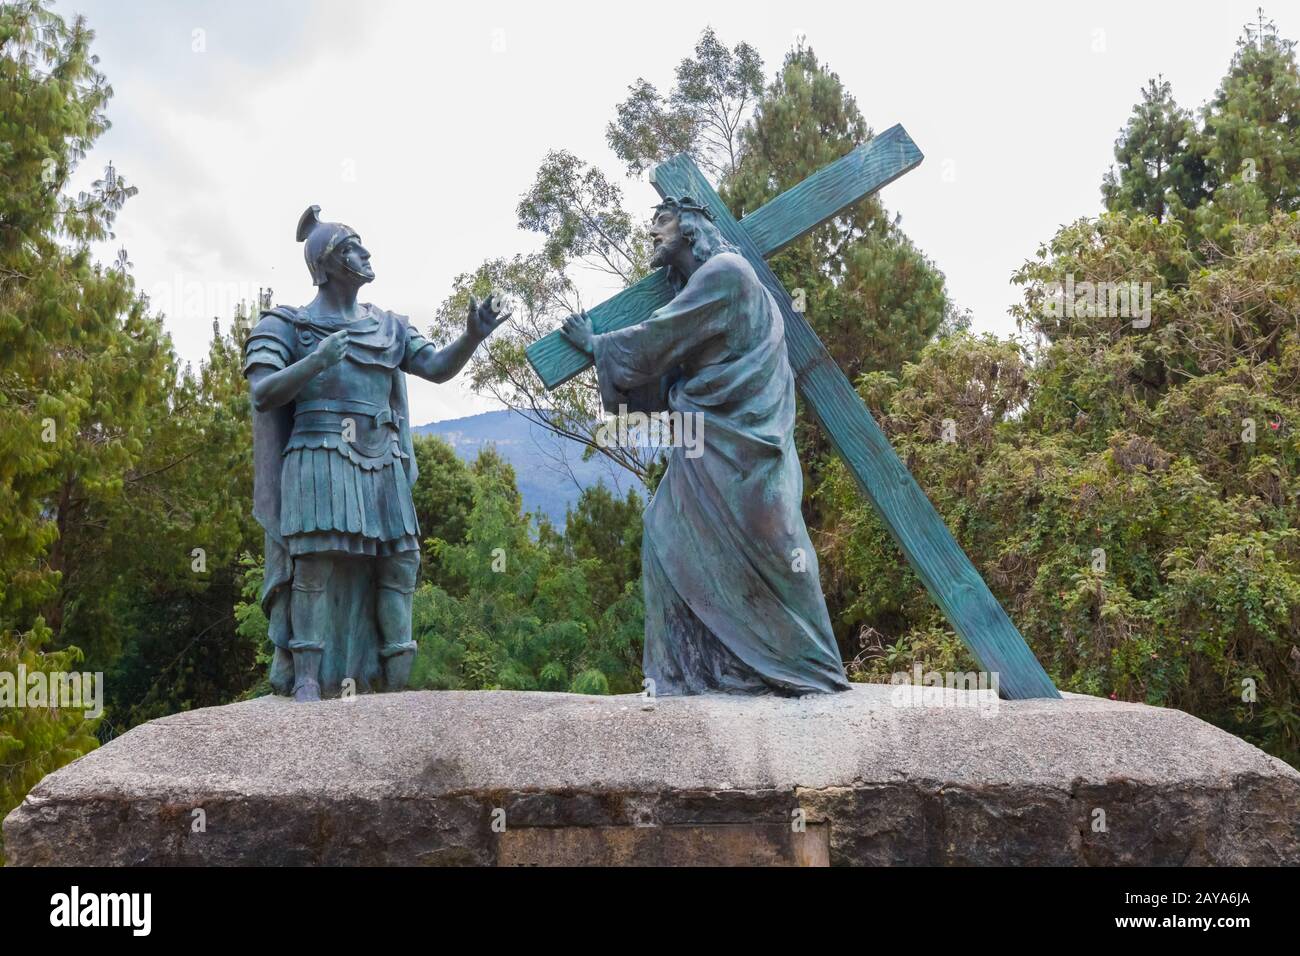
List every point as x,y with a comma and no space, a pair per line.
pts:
705,239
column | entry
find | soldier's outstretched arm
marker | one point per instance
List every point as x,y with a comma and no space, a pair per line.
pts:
272,388
443,365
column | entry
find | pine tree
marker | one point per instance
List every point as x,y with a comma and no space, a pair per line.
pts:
1156,163
76,353
1253,121
870,295
155,604
1251,136
75,344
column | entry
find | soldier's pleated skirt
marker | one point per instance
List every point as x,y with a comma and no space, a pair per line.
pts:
330,502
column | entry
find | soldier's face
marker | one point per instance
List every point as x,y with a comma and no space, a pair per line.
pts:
666,238
352,262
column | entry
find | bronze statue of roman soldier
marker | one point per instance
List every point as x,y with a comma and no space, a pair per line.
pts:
334,467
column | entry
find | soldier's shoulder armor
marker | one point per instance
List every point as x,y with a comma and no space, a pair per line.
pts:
276,323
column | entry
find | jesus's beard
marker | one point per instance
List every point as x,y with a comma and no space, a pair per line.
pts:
666,252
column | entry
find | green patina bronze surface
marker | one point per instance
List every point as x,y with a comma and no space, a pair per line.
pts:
333,471
929,547
733,598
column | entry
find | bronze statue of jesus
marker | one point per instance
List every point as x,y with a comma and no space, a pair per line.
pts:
733,600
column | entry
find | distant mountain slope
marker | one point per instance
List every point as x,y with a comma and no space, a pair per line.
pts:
549,469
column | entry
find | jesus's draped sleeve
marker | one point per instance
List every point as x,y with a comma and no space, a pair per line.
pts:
635,366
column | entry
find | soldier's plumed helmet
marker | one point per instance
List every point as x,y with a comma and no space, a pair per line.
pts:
319,239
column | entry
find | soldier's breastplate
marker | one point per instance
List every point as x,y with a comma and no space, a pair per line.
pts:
348,402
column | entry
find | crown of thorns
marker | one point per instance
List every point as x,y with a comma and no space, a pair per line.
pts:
681,204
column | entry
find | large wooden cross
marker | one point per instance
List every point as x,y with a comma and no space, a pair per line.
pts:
938,560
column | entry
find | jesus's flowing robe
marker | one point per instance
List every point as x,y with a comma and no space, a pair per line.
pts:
733,598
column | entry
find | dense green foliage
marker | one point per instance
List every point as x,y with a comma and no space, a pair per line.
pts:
116,464
1131,491
69,331
558,611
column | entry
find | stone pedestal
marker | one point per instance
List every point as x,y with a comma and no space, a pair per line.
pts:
508,778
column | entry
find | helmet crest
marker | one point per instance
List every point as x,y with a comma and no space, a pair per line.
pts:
319,240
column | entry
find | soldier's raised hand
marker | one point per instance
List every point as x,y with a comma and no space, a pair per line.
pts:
333,348
487,316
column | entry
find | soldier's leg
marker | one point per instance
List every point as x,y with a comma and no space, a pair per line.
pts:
395,577
310,616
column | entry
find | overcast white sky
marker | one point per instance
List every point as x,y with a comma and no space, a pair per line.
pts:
421,124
